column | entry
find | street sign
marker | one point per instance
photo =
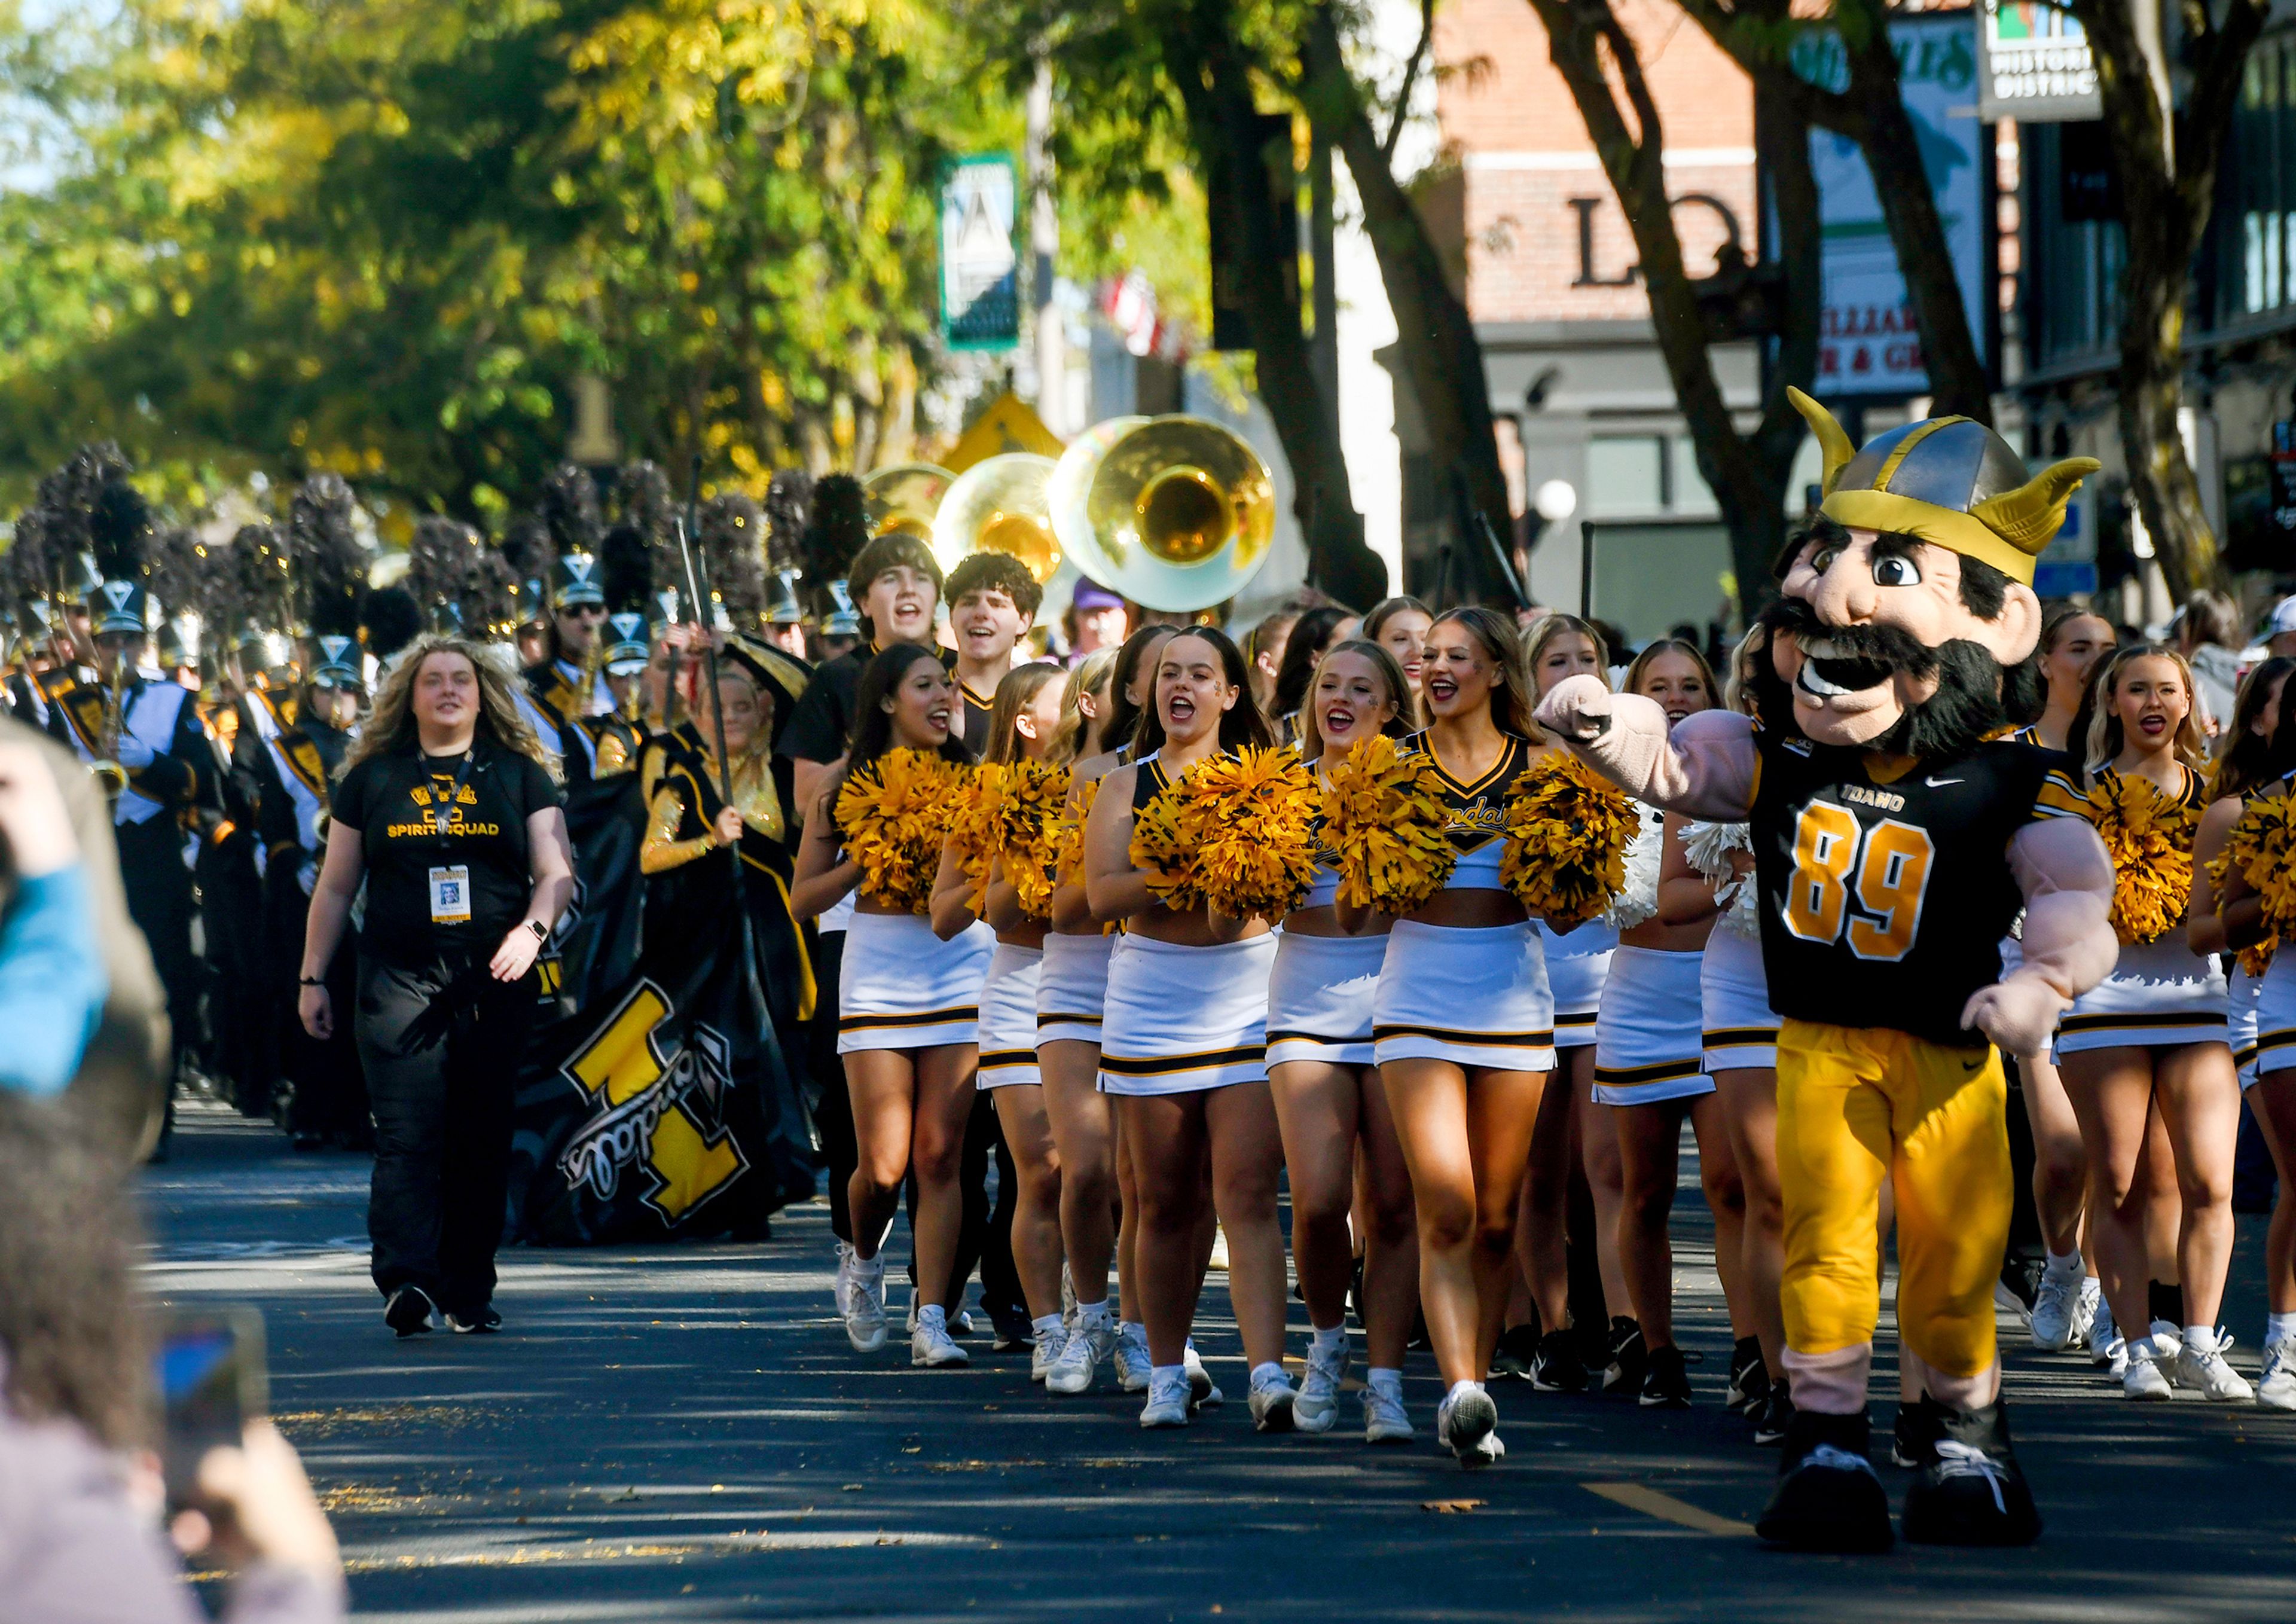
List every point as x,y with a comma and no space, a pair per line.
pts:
1008,424
2037,68
980,263
1869,342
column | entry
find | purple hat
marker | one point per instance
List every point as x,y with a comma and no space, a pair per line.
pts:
1090,595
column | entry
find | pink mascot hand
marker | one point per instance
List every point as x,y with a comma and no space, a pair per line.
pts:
2018,1013
1576,708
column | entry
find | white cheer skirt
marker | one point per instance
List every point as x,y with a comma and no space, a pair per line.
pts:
1071,987
900,987
1576,965
1008,1017
1474,995
1181,1020
1319,998
2276,1015
1649,1036
1739,1030
2160,994
2241,994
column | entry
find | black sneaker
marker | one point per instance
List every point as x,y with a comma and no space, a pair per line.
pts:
407,1311
1775,1419
1667,1384
1912,1437
1749,1378
1558,1368
1828,1498
1970,1490
1517,1352
1014,1329
485,1322
1629,1360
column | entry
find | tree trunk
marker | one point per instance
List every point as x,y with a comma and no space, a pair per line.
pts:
1214,82
1435,336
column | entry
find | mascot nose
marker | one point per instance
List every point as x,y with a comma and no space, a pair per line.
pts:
1845,593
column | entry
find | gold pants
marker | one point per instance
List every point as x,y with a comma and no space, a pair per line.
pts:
1855,1104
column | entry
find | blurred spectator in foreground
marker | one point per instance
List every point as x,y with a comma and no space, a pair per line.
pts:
2208,635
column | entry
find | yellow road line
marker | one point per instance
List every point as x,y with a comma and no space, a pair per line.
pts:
1650,1502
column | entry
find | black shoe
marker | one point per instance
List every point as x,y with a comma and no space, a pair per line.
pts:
1970,1490
1629,1360
1912,1437
1667,1386
1828,1498
1749,1378
486,1322
408,1310
1014,1328
1558,1368
1517,1352
1775,1419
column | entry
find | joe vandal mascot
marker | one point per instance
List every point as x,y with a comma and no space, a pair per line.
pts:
1895,841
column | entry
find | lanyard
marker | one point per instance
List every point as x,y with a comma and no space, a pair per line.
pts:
462,775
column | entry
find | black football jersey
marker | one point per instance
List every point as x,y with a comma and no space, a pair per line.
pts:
1885,884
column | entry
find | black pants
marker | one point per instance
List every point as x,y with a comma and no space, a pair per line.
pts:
326,1085
160,900
442,1127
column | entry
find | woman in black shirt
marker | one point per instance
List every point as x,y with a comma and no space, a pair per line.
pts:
446,813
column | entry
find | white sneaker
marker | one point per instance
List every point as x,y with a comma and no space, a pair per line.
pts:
1168,1400
2115,1358
1091,1341
1463,1420
2277,1388
1318,1407
2102,1333
931,1345
2205,1370
2168,1339
862,1287
844,1288
1272,1404
2056,1318
1046,1353
2146,1378
1203,1392
1385,1420
2092,1297
1132,1361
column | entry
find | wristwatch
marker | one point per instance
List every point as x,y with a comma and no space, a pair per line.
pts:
541,931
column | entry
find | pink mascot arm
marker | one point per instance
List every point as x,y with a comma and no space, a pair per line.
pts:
1705,769
2068,945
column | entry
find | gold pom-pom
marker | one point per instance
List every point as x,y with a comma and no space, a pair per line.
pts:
1383,814
1566,831
2150,839
1236,833
1021,818
972,827
894,814
2262,849
1067,861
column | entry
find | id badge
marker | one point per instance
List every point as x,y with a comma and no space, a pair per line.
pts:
450,896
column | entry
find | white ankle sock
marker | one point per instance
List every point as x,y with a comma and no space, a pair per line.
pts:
1168,1373
1324,1341
2064,1266
1048,1325
1462,1387
1268,1373
932,1314
2278,1326
1386,1382
1092,1310
2200,1339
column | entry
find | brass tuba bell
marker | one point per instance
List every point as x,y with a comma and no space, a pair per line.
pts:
1175,513
904,499
1000,504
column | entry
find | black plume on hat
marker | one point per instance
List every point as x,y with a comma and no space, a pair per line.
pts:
626,569
449,567
120,530
788,502
569,505
733,540
837,528
393,620
330,564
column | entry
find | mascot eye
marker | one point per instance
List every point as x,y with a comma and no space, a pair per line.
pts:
1823,558
1891,571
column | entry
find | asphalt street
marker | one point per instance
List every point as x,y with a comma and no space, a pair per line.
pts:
684,1434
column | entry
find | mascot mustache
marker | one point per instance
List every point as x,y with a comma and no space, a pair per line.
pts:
1974,697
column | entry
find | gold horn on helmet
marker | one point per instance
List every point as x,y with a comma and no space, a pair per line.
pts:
1176,512
999,505
904,497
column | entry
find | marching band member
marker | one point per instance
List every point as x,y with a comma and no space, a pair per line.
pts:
909,1019
1183,1047
1326,1087
992,602
1071,993
1021,726
562,686
1463,1024
2152,1036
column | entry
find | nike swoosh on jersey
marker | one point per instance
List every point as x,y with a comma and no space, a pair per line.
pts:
1939,784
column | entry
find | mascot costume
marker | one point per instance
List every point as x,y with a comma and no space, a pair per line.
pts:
1895,838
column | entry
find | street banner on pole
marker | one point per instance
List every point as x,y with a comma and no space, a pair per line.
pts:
2036,65
980,264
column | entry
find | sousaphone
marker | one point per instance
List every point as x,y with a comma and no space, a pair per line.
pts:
904,497
999,505
1175,513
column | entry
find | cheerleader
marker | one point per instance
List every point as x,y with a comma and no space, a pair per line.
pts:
1578,961
1400,625
1183,1047
1462,1029
1327,1095
908,1018
2069,1300
1095,1175
1022,718
2244,768
1739,1042
1650,1068
1312,634
2152,1037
